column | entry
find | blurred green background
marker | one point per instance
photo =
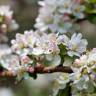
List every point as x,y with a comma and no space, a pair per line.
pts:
25,13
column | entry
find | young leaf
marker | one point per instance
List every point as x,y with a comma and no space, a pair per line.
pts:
63,52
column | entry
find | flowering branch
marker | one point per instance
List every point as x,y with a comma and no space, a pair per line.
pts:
49,43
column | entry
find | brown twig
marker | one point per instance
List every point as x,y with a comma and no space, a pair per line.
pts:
40,70
53,69
5,73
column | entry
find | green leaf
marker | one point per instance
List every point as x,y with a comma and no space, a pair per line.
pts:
91,1
90,9
65,92
92,18
1,19
94,69
63,52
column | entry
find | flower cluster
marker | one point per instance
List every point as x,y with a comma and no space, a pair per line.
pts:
7,23
35,43
59,15
16,65
38,45
84,76
75,45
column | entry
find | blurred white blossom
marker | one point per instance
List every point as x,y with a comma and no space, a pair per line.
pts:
4,50
7,23
5,11
54,15
6,92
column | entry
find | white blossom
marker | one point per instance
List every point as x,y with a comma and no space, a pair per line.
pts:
75,45
11,63
60,83
84,76
37,44
16,65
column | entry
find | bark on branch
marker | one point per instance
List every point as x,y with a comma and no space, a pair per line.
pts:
40,70
53,69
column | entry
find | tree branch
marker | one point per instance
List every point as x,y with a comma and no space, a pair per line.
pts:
40,70
45,70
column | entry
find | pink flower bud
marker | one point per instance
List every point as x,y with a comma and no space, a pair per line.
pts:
25,59
30,69
77,61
